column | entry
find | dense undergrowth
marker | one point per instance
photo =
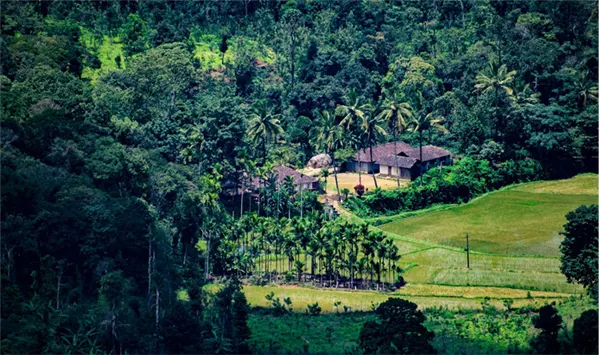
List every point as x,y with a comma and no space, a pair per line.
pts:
458,183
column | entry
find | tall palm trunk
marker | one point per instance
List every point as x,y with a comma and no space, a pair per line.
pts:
372,165
396,153
242,202
360,168
421,156
337,186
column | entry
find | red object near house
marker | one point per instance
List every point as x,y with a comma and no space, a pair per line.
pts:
360,190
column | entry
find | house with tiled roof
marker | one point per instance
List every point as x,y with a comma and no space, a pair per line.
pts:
406,162
301,181
363,162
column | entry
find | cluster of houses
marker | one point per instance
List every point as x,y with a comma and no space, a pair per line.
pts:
386,160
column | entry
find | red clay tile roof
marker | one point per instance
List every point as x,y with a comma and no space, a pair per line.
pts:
403,162
283,171
381,151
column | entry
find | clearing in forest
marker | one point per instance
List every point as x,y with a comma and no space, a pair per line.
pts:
349,180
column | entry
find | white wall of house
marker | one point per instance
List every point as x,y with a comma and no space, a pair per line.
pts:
364,167
305,187
393,171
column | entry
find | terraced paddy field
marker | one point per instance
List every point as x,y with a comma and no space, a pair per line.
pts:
523,220
426,296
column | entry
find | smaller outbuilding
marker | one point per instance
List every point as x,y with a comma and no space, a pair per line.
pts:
301,180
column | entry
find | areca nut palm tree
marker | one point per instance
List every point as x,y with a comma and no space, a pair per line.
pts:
396,111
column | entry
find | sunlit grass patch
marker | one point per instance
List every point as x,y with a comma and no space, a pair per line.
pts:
412,289
207,51
554,282
367,300
440,257
349,180
107,49
504,222
584,184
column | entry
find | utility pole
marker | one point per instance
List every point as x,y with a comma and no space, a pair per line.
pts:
467,249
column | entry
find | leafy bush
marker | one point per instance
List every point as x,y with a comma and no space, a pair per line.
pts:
278,307
459,183
313,309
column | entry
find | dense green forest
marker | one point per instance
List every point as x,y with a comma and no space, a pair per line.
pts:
126,125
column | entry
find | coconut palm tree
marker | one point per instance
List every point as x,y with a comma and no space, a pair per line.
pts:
352,110
586,88
264,126
328,135
494,80
396,111
373,126
423,121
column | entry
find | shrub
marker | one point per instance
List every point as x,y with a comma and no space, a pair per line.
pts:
313,309
459,183
279,308
585,332
398,330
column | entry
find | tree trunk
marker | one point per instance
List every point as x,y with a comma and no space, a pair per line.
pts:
149,267
242,203
337,186
462,11
156,320
372,165
206,259
421,156
185,245
396,153
293,59
352,276
301,201
58,290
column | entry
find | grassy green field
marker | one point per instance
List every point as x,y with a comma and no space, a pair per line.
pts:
349,180
464,332
425,296
525,220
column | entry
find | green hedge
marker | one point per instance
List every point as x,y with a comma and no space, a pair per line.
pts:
458,183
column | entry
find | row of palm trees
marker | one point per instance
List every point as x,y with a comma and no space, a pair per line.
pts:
360,125
325,252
